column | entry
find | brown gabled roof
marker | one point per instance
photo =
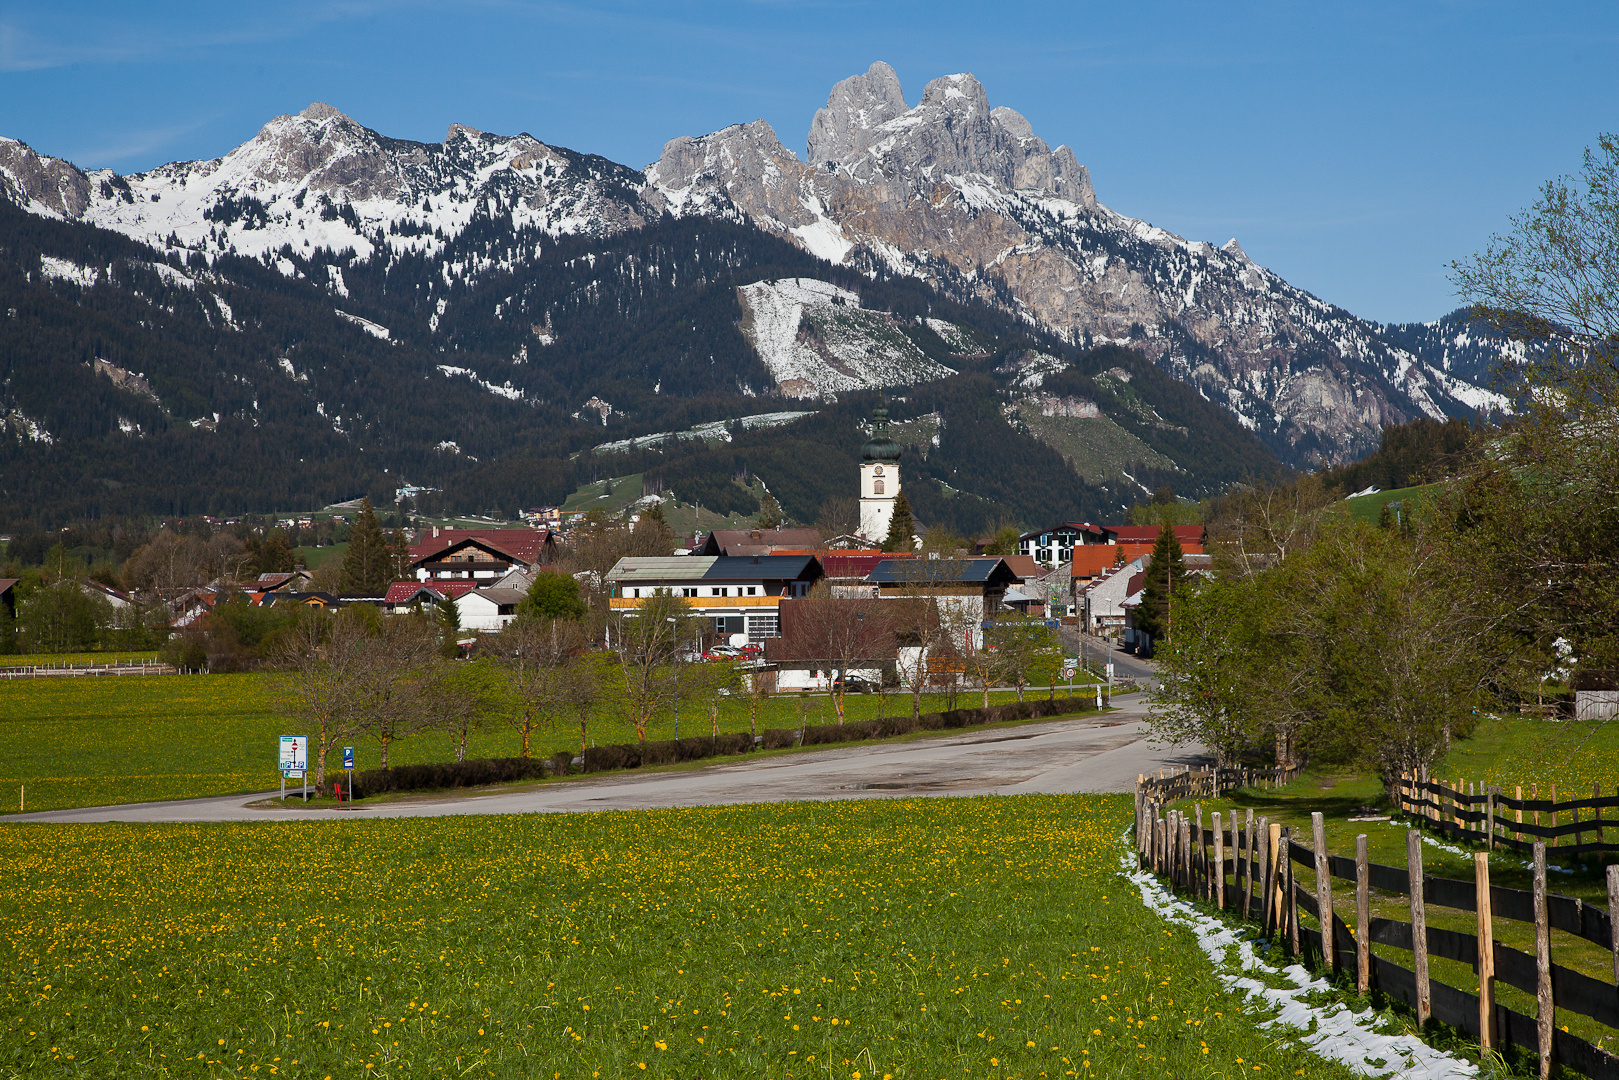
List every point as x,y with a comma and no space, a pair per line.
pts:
1023,566
758,541
7,583
525,545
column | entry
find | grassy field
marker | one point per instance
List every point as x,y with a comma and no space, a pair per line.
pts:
987,937
1506,751
88,742
313,557
1096,447
1368,508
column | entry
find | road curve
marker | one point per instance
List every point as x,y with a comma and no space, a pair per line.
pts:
1095,753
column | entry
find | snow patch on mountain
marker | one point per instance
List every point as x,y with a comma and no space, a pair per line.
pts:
816,339
714,430
62,270
376,330
506,390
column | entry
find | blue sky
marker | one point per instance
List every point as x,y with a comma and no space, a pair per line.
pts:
1354,148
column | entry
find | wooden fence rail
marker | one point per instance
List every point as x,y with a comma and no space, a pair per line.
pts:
1247,867
1187,783
1485,815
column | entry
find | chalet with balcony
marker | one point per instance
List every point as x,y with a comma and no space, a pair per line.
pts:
734,594
479,555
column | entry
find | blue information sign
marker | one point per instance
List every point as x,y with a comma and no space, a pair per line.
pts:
348,757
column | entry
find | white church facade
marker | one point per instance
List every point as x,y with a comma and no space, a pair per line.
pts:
879,479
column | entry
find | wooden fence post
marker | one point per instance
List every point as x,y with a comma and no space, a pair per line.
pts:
1557,841
1273,897
1489,819
1543,964
1185,846
1263,865
1200,861
1363,916
1613,913
1596,811
1219,863
1534,794
1323,889
1517,834
1250,853
1291,903
1419,924
1486,950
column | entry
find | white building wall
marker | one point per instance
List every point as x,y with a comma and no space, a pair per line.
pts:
879,487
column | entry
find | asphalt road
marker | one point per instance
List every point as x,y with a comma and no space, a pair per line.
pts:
1091,754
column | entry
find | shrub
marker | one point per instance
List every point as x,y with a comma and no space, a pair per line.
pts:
669,751
450,774
778,738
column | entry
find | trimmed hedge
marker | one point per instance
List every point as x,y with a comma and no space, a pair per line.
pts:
482,771
474,772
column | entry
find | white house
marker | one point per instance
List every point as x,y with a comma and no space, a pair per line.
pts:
1103,601
488,610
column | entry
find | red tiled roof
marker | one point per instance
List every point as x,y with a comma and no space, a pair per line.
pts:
525,545
402,592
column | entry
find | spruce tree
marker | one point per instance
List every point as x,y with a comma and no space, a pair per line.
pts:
1155,616
366,569
769,513
901,529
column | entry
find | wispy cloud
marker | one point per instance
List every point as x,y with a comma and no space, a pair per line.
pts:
140,144
66,36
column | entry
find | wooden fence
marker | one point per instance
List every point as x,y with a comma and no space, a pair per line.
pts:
1483,814
57,671
1189,783
1250,871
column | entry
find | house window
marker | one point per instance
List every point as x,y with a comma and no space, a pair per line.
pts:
635,592
688,592
752,589
876,487
718,592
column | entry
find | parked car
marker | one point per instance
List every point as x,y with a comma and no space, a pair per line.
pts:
852,683
721,652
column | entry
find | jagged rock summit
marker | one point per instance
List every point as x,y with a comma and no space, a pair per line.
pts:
967,197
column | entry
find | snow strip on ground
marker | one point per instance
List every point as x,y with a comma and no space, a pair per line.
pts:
1340,1034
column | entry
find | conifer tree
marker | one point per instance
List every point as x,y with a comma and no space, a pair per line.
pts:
901,529
1155,616
366,569
769,513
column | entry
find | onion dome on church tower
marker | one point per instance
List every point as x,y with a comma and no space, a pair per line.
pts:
879,449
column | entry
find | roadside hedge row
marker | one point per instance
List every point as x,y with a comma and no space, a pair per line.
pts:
481,771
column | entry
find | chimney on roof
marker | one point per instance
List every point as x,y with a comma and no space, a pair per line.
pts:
435,531
756,560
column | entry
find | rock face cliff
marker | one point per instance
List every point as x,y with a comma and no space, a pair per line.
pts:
967,197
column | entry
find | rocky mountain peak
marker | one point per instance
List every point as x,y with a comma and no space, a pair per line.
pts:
959,93
855,106
319,110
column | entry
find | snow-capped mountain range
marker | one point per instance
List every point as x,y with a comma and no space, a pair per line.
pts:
951,191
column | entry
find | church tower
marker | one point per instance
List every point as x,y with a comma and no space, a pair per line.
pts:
879,479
